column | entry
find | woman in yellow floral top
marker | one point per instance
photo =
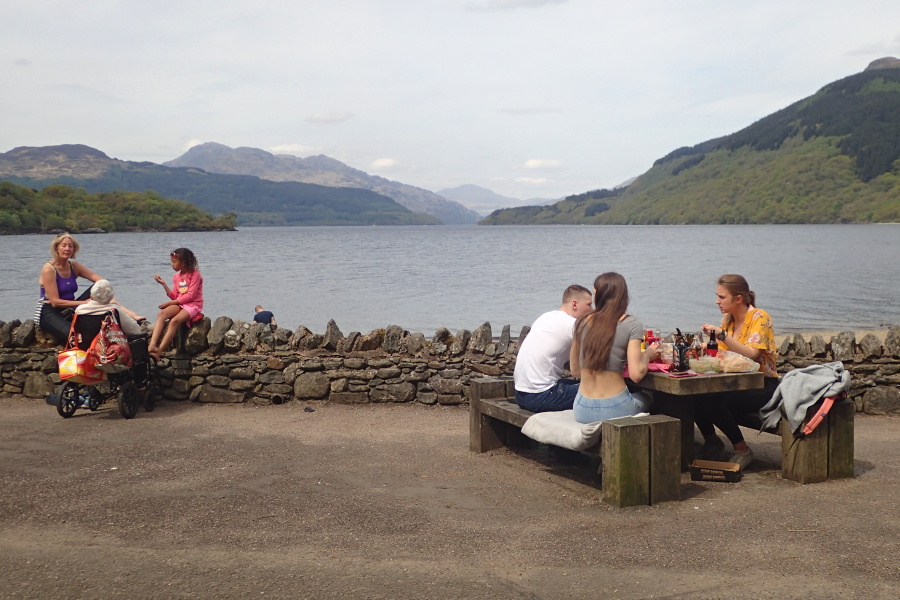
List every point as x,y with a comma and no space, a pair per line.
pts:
747,330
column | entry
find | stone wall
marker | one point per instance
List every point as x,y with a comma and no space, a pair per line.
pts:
233,361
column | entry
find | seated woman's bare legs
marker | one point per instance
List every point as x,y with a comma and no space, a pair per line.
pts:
168,312
174,323
130,312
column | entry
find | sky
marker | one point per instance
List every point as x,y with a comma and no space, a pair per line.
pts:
528,98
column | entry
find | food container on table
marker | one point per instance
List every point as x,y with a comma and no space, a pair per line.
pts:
665,353
706,364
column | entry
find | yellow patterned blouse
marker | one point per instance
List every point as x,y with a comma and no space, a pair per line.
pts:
757,333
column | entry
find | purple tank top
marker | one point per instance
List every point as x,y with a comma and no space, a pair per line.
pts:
65,286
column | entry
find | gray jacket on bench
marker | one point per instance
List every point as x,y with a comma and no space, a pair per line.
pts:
801,388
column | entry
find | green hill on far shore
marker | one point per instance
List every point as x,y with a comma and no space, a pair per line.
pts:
831,158
61,207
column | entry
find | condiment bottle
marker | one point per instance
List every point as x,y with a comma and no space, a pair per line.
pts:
697,346
712,346
679,353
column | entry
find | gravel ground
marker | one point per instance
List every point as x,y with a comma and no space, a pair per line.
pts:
216,501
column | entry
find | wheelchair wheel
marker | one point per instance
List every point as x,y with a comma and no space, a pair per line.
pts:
151,396
95,398
67,400
129,399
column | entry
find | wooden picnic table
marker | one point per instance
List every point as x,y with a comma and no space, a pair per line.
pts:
675,396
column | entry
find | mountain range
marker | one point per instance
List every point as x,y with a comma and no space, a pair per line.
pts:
319,170
833,157
253,200
482,200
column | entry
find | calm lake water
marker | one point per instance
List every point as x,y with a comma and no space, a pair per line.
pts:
809,277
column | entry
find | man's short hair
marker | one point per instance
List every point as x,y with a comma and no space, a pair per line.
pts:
574,291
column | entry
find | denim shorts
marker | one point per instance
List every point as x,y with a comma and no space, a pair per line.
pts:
623,404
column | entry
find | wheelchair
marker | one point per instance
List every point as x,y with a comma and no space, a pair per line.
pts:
130,386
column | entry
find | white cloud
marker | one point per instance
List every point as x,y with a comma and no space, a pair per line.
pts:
330,117
192,143
533,180
542,163
384,164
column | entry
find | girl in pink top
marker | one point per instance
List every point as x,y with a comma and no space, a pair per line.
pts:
186,304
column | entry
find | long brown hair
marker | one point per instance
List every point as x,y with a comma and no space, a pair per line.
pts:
595,332
736,285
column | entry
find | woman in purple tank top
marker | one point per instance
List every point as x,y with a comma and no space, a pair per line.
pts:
59,285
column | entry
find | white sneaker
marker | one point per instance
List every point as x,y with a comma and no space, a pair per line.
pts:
742,458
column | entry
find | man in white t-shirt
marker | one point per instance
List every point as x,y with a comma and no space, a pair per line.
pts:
544,353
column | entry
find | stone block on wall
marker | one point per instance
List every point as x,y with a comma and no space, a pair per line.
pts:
870,347
817,346
882,401
393,338
415,343
481,338
842,346
333,336
23,335
394,392
219,395
313,385
892,342
460,342
37,385
197,338
449,399
503,344
216,336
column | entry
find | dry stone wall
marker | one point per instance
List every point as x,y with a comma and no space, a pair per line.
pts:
230,361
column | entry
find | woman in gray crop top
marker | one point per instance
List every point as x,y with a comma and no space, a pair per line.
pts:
605,342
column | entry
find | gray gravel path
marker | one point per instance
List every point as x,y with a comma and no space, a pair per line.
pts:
202,501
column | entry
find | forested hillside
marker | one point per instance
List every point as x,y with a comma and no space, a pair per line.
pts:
831,158
62,207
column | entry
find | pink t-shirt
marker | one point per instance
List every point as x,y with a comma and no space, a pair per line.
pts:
187,289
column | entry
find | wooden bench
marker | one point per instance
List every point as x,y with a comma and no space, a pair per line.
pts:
826,453
640,456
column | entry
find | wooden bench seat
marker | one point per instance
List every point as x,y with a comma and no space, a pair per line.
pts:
640,456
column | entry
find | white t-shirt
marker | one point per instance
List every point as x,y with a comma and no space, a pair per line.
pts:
544,353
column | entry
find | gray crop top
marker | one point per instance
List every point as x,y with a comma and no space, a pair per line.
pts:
629,328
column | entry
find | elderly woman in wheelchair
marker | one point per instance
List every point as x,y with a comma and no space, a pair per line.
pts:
127,376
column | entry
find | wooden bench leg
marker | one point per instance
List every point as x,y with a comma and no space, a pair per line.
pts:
486,433
826,453
625,458
665,458
840,440
804,460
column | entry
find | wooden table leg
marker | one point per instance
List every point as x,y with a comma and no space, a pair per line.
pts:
682,408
